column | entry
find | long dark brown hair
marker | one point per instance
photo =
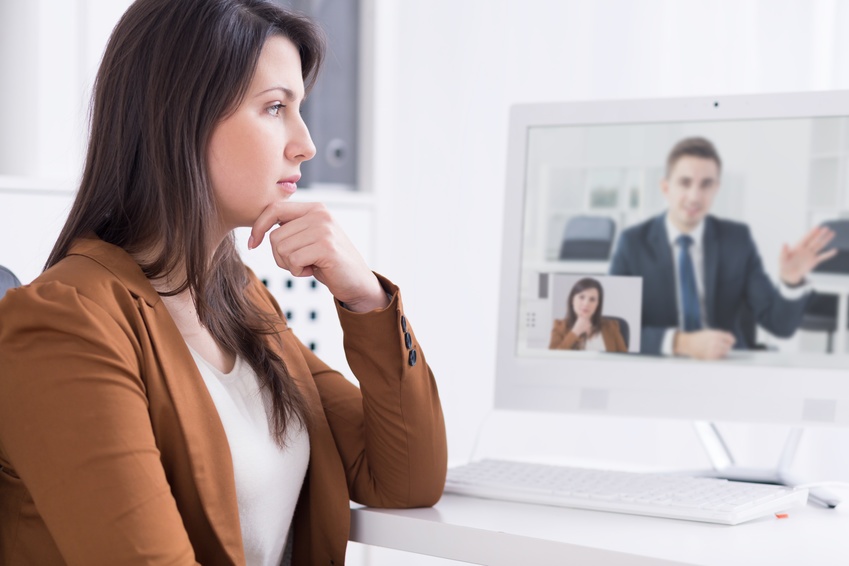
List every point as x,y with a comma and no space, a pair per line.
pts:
170,72
583,285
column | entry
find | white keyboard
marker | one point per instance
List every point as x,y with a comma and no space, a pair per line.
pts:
656,494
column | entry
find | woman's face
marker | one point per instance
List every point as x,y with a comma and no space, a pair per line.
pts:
585,303
255,154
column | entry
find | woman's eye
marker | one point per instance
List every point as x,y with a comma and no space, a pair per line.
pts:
274,109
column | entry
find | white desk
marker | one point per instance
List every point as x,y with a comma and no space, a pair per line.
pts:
499,533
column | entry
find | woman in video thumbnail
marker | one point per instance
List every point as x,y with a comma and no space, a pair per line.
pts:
584,327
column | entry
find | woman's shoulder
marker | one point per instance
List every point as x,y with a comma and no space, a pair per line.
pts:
54,317
94,276
52,298
609,324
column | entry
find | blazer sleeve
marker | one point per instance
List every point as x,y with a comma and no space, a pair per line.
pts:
778,315
75,428
389,431
561,338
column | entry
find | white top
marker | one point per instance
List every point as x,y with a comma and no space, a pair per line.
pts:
595,343
268,478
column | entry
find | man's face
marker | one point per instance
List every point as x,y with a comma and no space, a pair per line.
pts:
689,189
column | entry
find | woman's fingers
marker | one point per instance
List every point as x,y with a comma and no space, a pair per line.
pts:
300,253
308,242
282,213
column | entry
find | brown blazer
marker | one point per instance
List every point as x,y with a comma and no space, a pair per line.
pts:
111,450
563,338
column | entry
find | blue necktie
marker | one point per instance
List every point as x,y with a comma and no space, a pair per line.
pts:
687,279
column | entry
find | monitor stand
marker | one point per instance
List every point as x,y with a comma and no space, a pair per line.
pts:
725,467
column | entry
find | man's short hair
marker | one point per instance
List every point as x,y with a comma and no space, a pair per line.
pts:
694,147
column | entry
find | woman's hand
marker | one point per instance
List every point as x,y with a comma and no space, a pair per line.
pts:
308,242
582,326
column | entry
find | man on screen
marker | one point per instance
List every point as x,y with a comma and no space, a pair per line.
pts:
700,272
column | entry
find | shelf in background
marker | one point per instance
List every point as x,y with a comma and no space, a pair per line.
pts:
36,185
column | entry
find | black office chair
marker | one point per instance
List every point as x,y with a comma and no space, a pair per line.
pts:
821,316
624,329
840,263
587,238
7,280
821,311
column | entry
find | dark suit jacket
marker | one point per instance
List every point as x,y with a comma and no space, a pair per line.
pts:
734,279
111,449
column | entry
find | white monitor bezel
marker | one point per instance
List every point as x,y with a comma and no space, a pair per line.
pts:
650,386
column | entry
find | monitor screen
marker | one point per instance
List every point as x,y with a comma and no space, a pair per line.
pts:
679,257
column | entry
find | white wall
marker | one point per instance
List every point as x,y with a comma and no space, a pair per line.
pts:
49,53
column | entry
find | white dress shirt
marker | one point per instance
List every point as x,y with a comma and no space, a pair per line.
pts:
595,343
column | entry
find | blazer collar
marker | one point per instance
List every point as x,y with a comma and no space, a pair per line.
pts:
208,448
658,240
206,441
661,268
710,246
119,263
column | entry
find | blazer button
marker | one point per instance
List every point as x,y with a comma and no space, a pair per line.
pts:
403,323
412,358
408,340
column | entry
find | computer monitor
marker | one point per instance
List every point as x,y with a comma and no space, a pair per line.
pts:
582,174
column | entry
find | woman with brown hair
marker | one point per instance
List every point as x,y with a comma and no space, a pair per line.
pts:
584,327
154,406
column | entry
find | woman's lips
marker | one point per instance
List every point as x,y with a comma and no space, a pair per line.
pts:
290,184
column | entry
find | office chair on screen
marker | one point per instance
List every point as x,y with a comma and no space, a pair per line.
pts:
624,329
587,238
821,312
7,280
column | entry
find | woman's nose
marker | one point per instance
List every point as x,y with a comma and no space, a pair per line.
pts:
300,147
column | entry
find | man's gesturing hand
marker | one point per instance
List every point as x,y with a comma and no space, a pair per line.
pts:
308,242
797,261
